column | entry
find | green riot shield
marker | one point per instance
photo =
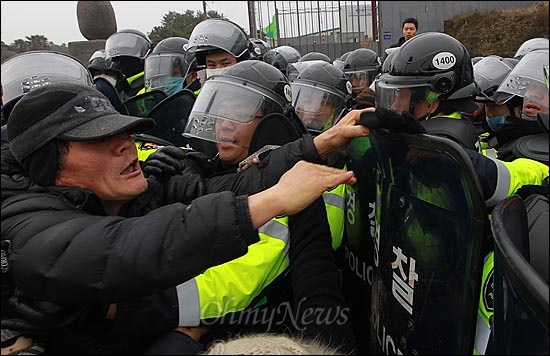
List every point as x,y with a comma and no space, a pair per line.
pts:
520,231
431,226
356,251
141,105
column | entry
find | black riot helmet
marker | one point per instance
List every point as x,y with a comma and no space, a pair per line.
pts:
244,92
361,67
340,61
170,45
259,48
435,67
127,49
313,56
280,57
489,72
166,66
218,35
390,52
128,42
97,64
321,95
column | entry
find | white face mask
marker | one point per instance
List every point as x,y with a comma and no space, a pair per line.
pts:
211,72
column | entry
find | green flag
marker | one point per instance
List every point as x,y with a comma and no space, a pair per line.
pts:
271,29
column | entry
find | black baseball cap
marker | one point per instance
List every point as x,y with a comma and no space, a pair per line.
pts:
66,111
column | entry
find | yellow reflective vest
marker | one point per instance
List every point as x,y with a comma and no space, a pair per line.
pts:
232,286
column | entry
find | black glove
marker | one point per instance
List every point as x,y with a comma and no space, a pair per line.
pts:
386,119
170,160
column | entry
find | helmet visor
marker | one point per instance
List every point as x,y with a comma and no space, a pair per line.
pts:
222,104
317,107
489,72
293,70
399,98
526,80
163,69
360,79
218,34
25,72
126,44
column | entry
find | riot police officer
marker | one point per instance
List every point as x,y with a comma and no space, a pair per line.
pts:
127,49
280,57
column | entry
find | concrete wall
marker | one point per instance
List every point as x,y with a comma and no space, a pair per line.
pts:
83,50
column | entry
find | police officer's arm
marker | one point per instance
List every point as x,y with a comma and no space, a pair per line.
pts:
501,179
339,136
289,196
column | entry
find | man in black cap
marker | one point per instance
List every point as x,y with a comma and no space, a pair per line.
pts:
89,245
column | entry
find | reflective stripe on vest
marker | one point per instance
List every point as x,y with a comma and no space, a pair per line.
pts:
232,286
503,183
135,77
455,115
335,203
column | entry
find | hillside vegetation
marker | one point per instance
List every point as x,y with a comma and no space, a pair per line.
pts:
500,32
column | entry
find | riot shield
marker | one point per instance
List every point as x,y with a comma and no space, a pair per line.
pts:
171,115
355,255
141,105
431,226
521,302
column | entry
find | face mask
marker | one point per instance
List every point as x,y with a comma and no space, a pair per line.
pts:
211,72
496,123
172,85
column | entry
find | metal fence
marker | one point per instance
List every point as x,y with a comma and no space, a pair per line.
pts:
336,27
329,27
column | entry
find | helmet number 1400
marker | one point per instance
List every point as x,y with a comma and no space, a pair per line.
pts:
444,60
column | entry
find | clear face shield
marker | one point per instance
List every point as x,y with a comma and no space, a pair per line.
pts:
225,108
166,72
25,72
399,98
318,108
527,81
536,100
126,44
360,79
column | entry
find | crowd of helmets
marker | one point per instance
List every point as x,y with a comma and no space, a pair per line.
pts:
163,80
138,76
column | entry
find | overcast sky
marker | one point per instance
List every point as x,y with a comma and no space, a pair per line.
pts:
56,20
